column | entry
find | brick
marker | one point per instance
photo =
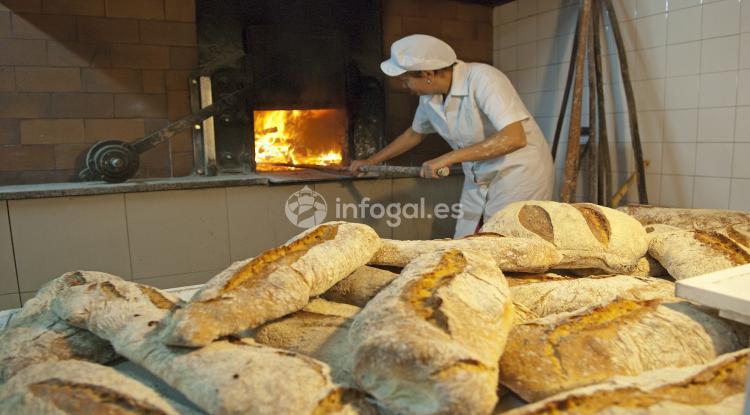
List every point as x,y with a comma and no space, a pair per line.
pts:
35,79
52,131
473,50
156,162
111,80
10,131
180,10
182,142
138,9
401,7
71,156
454,29
484,32
5,27
178,104
23,6
432,9
75,7
392,25
23,52
475,12
83,106
140,106
168,33
7,79
44,26
99,29
18,105
119,129
26,157
178,80
422,25
182,164
152,125
183,58
36,177
140,56
153,82
81,55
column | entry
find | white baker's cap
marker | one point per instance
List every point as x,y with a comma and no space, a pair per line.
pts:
418,53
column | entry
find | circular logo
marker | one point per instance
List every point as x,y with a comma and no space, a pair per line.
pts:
306,208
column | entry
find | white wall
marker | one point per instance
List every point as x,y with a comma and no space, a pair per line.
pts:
690,66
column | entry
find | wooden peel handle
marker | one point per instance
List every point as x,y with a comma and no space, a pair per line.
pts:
412,171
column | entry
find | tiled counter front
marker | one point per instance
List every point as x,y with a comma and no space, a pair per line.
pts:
182,237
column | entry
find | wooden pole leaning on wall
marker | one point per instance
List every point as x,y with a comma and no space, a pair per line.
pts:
566,94
604,176
592,144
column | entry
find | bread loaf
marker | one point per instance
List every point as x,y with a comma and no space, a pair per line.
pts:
76,387
36,335
554,297
688,219
569,350
360,286
510,254
587,235
429,342
321,331
518,278
273,284
224,377
715,388
686,254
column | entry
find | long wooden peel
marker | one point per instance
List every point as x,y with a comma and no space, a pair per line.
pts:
593,157
400,170
623,190
604,182
632,112
568,83
572,160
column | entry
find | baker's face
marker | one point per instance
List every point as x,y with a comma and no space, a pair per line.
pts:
417,84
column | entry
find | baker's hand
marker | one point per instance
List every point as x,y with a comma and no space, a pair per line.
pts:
430,168
355,165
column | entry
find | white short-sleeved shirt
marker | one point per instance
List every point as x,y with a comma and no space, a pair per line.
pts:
481,102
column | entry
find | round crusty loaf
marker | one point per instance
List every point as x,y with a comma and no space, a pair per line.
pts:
320,330
76,387
510,254
36,335
277,282
569,350
715,388
587,235
360,286
429,342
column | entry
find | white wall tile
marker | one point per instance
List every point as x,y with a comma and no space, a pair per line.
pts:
547,5
527,30
506,35
653,153
549,103
628,33
683,25
718,89
678,158
527,55
745,18
721,18
683,59
711,193
651,63
508,59
743,87
649,95
651,125
745,50
526,81
739,198
680,125
716,124
552,77
508,12
719,54
527,8
676,191
653,187
8,280
547,24
649,7
714,159
682,4
625,9
567,20
742,125
682,92
651,31
740,165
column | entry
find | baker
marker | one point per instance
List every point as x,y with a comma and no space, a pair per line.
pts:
474,107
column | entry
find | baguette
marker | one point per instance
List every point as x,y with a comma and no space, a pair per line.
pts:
273,284
360,286
510,254
569,350
321,331
77,387
36,335
430,341
587,235
224,377
715,388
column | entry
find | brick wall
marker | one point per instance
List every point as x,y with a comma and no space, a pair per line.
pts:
73,72
466,27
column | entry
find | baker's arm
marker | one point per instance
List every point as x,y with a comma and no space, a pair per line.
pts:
507,140
404,142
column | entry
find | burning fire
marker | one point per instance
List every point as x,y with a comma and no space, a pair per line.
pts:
299,137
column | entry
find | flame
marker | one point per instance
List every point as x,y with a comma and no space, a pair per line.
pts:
299,137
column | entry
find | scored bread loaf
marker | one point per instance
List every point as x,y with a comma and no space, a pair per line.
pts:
320,330
36,335
224,377
686,254
569,350
522,279
688,219
430,341
77,387
273,284
360,286
559,296
510,254
587,235
715,388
